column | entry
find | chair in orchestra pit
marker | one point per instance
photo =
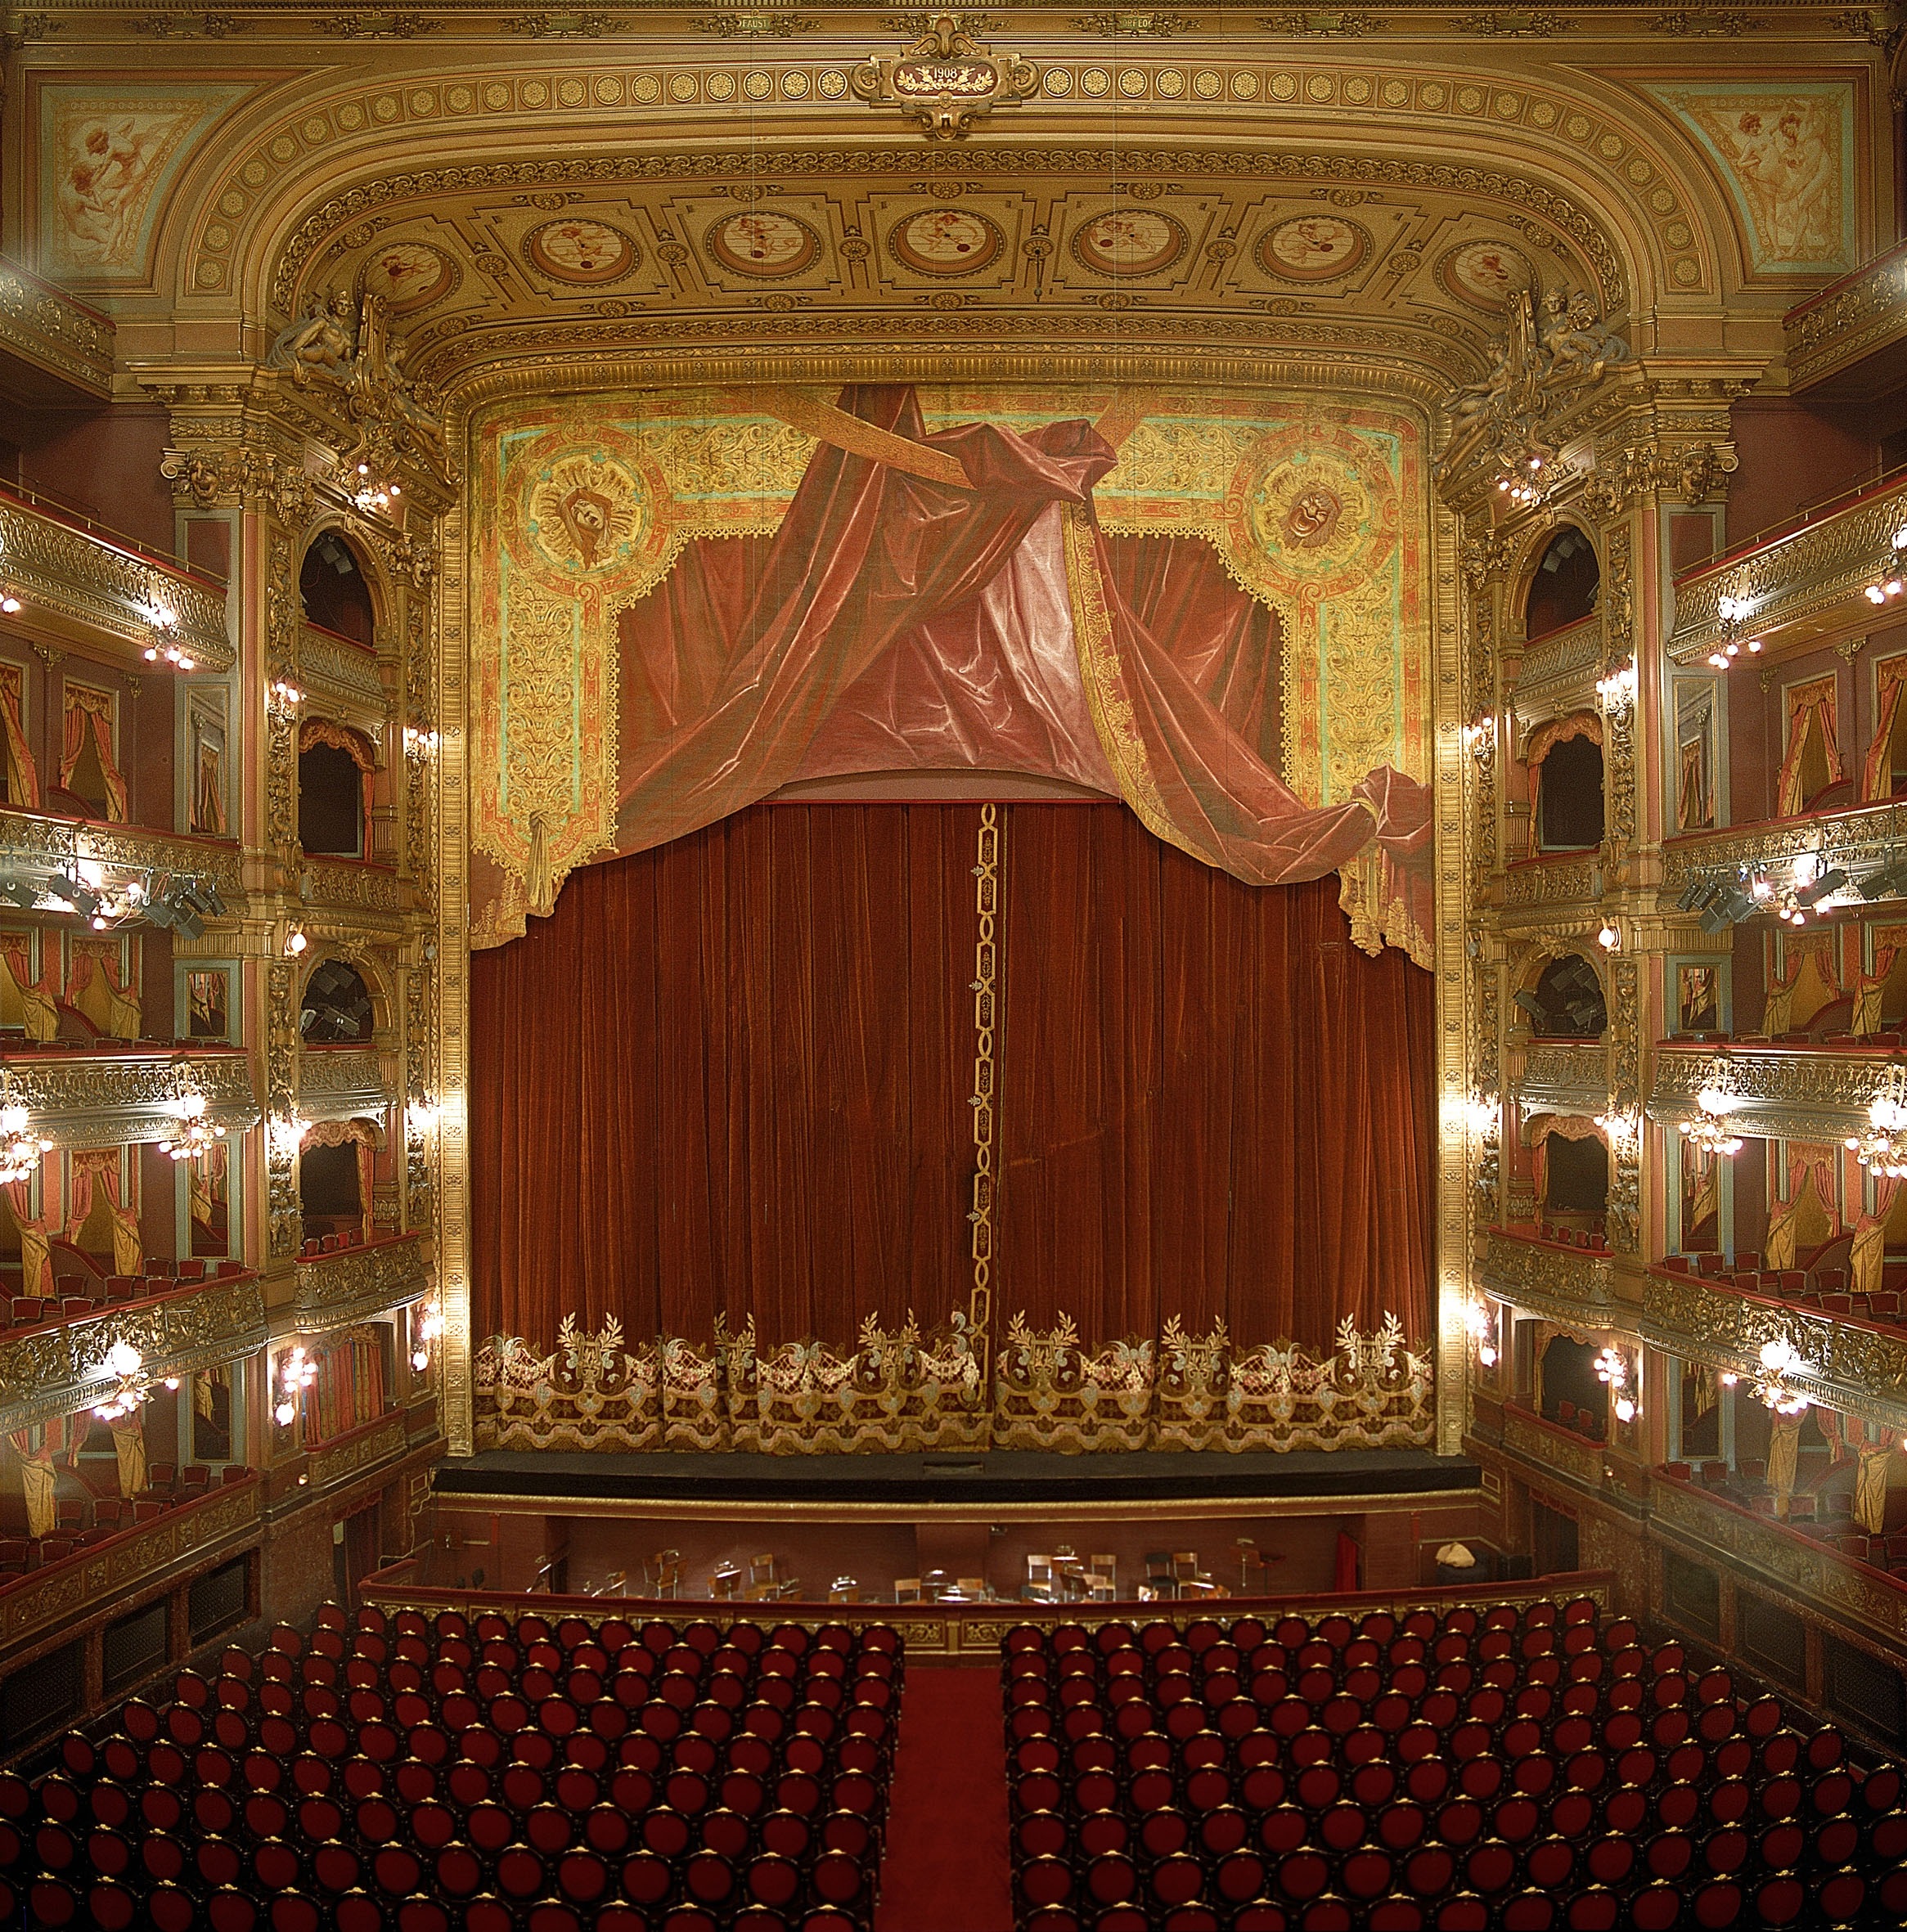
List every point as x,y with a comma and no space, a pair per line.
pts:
668,1566
1039,1584
844,1589
723,1580
761,1578
907,1589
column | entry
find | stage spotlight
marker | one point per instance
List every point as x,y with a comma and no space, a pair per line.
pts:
158,910
187,923
1830,881
1533,1008
20,891
1889,883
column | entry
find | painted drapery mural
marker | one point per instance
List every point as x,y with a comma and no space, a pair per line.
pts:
1211,606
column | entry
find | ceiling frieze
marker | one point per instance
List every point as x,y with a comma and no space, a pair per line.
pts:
1486,116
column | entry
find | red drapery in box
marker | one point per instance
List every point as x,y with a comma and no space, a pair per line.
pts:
102,1165
91,710
23,772
733,1075
36,1260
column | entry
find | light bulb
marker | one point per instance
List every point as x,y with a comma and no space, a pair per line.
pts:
283,1413
124,1359
420,1360
1487,1354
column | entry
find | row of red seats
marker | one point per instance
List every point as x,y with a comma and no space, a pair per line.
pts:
1677,1805
539,1821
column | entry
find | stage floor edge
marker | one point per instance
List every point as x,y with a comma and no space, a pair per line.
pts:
1002,1478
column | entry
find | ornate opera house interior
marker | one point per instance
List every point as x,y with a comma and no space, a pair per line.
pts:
953,967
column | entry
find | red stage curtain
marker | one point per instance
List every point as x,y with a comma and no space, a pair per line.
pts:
1212,1104
732,1073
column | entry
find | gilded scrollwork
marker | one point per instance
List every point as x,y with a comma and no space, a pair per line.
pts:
1569,1285
84,582
129,1098
1571,1078
1851,1368
44,327
57,1371
1859,315
1780,1093
336,1289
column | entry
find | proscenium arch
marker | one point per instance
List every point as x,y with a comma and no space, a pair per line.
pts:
279,158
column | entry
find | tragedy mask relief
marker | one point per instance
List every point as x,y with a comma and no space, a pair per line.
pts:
585,512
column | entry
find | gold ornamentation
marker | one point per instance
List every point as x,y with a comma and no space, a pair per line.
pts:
85,587
55,1371
902,1392
340,1084
1569,1285
127,1098
1781,1093
1804,575
1855,1369
48,330
945,81
1559,1079
986,1020
335,1465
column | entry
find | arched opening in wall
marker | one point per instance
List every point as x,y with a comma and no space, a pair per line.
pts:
328,1193
1568,784
1563,590
337,1010
1572,1395
1567,1002
335,765
336,593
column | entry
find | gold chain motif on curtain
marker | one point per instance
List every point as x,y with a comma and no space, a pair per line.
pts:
986,961
906,1391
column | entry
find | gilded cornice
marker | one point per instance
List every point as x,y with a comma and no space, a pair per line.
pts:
43,327
1858,841
1799,1565
333,1289
1569,1285
1572,1079
29,839
1846,1366
340,1084
59,1371
121,1099
129,1564
1847,322
1807,582
1786,1093
85,588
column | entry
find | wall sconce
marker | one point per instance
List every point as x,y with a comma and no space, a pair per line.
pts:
1883,1148
286,1133
1480,1319
296,1373
1893,582
295,942
288,695
1734,613
1609,937
1779,1359
430,1327
1618,687
1612,1372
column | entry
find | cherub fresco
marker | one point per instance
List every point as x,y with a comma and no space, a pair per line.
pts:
102,182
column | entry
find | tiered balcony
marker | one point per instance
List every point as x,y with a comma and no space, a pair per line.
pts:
1788,1092
37,842
1568,1076
1554,1447
1795,1558
1833,333
121,1094
1859,840
84,586
1569,1278
1801,585
131,1547
1535,890
52,350
53,1351
345,1282
341,1083
1851,1350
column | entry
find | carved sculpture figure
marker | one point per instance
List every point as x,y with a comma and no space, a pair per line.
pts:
322,340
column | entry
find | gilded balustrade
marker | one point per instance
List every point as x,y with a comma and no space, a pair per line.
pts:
1778,1092
1852,1366
45,329
333,1290
59,1368
36,842
86,588
1573,1285
1559,1076
1860,841
1847,322
77,1099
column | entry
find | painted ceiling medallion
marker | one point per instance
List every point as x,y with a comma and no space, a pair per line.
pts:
1485,274
580,250
1128,241
1313,248
762,242
946,241
408,275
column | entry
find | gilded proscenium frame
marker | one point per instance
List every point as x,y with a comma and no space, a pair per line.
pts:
905,360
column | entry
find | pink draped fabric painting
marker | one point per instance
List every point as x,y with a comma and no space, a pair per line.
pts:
893,623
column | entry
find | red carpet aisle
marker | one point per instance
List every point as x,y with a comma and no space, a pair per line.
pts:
945,1869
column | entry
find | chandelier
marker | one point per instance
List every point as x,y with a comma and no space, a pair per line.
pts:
430,1327
1779,1359
196,1135
126,1366
1613,1373
370,495
1734,613
1708,1133
1883,1148
19,1150
1893,582
1480,1319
